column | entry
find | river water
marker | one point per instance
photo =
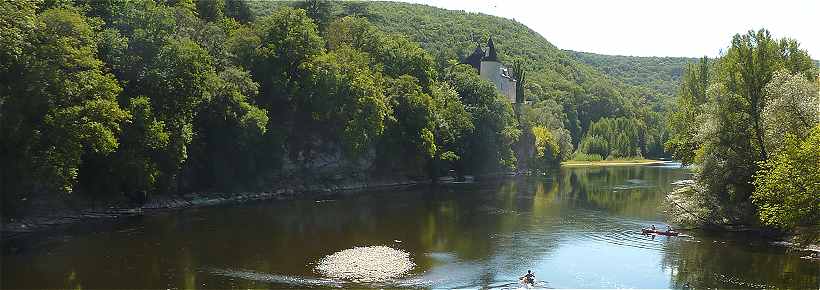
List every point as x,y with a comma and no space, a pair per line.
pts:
577,229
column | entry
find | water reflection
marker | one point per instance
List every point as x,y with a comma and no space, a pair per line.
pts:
578,229
738,262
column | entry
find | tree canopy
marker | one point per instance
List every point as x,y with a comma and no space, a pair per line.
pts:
545,73
125,100
741,118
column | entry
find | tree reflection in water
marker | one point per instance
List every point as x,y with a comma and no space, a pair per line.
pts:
576,229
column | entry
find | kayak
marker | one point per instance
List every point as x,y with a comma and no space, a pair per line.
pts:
657,232
526,284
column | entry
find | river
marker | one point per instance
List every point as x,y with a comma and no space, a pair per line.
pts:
577,229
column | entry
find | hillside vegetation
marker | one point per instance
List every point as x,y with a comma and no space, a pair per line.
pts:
660,76
124,101
128,100
554,77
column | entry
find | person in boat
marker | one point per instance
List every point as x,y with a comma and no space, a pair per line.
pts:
669,229
528,278
646,231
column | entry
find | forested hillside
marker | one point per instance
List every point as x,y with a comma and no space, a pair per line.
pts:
133,99
554,77
129,100
658,75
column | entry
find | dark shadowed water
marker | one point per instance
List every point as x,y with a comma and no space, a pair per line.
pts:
579,229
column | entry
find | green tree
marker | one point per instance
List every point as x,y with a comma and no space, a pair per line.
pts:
239,10
178,80
615,138
728,128
318,10
242,44
397,55
683,142
489,148
146,27
734,124
355,32
61,108
344,96
135,165
287,39
211,10
229,129
547,152
17,20
409,140
750,64
357,9
787,188
519,73
596,145
791,108
453,124
546,113
276,49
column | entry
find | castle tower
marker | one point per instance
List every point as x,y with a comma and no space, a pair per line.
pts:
492,70
474,59
491,54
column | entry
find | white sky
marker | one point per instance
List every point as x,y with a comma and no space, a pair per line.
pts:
653,27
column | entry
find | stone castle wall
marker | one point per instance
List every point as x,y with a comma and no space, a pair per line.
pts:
492,71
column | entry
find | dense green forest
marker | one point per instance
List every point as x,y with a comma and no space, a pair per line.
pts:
110,99
554,77
659,76
751,120
132,99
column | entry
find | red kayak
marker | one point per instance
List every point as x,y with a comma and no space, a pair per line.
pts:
657,232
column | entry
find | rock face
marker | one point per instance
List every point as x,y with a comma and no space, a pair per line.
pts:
366,264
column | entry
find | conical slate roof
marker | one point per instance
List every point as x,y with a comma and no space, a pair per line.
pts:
475,59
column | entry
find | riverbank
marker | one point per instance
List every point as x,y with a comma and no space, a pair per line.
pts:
687,208
572,218
612,162
807,240
65,217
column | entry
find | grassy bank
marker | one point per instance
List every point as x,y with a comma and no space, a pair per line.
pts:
616,162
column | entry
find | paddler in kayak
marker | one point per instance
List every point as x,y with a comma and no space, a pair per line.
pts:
528,278
669,231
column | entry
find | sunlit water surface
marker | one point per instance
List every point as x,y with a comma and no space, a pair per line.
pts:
578,229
